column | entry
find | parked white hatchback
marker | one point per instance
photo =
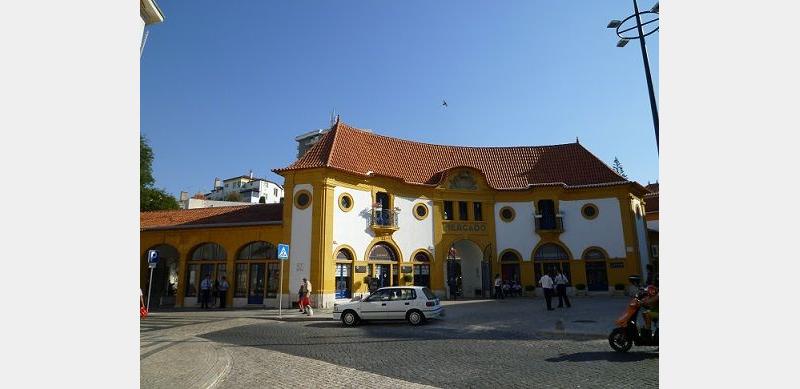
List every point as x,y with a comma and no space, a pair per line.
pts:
413,303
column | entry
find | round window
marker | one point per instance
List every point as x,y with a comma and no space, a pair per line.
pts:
420,211
507,214
589,211
302,199
345,202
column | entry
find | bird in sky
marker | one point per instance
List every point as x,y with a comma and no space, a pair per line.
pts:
444,103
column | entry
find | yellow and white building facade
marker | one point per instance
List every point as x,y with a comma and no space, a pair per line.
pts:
364,210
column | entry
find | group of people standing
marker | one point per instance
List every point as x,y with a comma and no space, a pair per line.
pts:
217,289
555,283
303,297
506,288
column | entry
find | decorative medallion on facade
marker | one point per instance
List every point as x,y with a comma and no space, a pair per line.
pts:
463,180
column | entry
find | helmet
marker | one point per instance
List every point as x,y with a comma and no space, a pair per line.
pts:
652,290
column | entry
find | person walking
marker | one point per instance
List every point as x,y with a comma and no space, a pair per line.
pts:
205,291
498,287
547,285
223,292
561,288
301,295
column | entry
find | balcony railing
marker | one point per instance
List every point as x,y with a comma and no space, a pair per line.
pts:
383,219
554,225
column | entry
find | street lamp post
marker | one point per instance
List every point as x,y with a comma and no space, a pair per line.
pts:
640,34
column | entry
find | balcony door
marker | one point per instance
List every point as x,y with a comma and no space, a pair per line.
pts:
547,209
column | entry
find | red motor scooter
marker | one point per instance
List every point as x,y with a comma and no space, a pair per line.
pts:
628,332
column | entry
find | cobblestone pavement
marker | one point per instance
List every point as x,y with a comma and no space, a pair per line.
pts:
511,343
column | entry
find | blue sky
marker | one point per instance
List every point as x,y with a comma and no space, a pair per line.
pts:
226,86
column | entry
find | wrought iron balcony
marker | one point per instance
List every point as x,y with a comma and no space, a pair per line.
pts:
554,224
383,219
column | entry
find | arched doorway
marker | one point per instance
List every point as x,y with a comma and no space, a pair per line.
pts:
257,272
551,257
596,275
383,268
165,277
464,269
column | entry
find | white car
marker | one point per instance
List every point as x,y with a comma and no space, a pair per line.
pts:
413,303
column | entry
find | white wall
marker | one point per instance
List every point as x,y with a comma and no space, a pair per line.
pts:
517,234
300,245
352,228
413,234
604,231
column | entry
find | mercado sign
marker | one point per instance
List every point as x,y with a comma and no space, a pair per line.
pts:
464,227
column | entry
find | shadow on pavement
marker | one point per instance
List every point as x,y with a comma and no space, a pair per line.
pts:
611,356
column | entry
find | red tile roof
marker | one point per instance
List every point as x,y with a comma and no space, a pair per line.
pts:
506,168
651,203
212,217
652,188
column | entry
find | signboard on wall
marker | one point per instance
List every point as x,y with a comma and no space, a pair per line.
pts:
361,269
617,265
407,269
464,227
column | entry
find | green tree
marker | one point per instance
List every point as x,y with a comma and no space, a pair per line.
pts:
150,198
618,168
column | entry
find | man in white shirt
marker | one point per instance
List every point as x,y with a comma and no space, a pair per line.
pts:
547,286
561,289
498,287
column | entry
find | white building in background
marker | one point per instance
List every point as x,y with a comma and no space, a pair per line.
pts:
249,189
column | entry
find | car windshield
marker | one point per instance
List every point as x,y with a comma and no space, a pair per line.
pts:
429,294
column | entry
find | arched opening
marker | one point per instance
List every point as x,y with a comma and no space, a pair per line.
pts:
596,274
383,269
257,272
422,268
344,273
510,266
464,269
551,257
206,259
165,277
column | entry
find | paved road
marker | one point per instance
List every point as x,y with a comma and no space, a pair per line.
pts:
511,343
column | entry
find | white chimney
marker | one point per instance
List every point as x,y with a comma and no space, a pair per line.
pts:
184,196
217,183
251,174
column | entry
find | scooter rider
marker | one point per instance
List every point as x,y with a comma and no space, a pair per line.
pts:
650,302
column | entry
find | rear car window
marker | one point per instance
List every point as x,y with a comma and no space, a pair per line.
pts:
429,294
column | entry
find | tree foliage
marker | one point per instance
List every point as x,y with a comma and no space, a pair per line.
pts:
618,168
150,198
233,196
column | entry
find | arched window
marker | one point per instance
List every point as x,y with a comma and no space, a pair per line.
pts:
594,254
422,256
209,252
509,256
257,250
344,255
382,252
551,257
257,272
207,259
549,252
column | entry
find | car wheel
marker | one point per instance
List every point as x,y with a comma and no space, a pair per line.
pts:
349,318
415,317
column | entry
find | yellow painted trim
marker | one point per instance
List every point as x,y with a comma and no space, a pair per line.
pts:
519,256
339,201
596,211
507,220
414,211
297,195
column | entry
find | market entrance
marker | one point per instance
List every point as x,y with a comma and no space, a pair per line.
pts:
464,269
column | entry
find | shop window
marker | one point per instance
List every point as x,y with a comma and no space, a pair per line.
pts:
344,255
422,256
462,210
382,252
551,257
448,210
257,250
594,254
209,252
343,274
240,286
477,211
422,275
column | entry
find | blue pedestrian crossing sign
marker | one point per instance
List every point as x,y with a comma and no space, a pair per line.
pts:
283,251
